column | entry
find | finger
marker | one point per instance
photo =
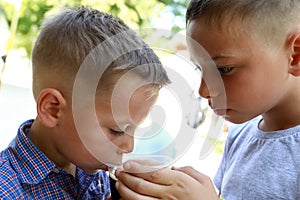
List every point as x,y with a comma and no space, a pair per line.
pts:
145,161
127,194
140,185
163,176
202,178
142,166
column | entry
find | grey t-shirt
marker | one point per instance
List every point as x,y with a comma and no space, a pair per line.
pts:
260,165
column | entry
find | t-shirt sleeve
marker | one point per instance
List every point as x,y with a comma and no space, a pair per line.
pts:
233,132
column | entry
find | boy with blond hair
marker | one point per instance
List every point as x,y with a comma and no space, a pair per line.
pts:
64,152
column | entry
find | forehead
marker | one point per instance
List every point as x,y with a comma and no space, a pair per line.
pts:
229,29
230,38
128,106
128,89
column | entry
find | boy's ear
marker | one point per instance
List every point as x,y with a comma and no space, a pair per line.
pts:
50,104
294,63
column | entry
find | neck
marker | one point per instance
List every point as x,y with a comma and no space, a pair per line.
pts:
285,114
43,139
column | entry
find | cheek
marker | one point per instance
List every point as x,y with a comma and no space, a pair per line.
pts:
256,92
73,148
94,143
243,90
100,146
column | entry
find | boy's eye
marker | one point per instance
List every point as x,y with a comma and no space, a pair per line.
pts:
225,69
116,132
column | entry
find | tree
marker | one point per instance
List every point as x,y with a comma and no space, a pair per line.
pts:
136,13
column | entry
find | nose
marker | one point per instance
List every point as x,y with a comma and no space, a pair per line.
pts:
203,90
127,143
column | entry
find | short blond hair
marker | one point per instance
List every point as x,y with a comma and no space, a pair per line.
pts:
68,37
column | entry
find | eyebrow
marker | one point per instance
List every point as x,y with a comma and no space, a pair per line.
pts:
214,58
222,56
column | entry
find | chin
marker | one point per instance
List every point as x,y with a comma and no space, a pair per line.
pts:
94,169
236,119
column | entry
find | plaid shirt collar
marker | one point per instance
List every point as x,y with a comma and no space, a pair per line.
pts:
34,168
34,165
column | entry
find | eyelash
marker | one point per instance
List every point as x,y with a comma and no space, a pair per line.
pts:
225,69
221,69
117,133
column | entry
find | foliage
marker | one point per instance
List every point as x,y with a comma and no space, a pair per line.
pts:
137,14
178,8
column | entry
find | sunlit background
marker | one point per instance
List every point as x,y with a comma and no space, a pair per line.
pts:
19,26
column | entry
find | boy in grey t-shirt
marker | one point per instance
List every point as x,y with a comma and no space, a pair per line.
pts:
255,46
260,164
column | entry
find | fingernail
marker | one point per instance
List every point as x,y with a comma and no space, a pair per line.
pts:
117,185
117,172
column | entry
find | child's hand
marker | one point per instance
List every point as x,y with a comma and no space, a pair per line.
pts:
180,184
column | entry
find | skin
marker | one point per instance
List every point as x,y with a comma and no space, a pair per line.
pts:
55,134
249,69
258,79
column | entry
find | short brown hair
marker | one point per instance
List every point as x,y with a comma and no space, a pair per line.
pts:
68,37
272,18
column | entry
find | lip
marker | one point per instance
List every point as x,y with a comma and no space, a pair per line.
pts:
220,111
104,167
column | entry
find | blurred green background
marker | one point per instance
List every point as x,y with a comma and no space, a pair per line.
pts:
24,17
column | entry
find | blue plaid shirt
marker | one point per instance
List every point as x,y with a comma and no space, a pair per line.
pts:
26,173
